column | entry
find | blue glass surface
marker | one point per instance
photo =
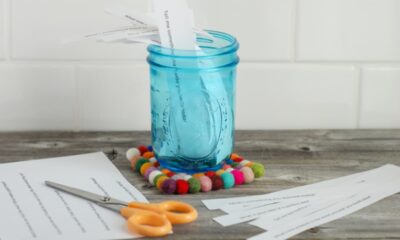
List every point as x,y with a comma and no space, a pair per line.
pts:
193,103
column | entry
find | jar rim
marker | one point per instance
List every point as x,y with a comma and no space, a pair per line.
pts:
207,50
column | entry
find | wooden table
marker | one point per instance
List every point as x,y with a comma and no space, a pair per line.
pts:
292,158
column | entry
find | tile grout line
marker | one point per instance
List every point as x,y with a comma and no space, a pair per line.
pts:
395,64
360,95
7,29
293,31
77,110
359,77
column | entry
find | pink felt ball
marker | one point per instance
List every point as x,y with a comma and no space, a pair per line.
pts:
239,177
148,171
205,183
248,174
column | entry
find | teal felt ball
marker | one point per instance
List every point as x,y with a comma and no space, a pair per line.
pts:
228,179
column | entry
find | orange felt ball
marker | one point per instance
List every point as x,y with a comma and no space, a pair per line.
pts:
236,158
148,155
248,164
144,167
165,171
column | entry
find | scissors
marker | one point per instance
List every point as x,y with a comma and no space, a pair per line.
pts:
147,219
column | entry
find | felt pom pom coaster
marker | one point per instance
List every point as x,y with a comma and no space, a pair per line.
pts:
235,171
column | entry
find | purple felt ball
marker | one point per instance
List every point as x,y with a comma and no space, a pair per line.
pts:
168,186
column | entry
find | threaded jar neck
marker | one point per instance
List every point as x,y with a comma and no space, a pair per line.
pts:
214,53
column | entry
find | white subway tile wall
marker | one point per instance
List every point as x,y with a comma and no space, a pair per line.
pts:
304,64
39,27
296,96
2,34
380,98
114,97
37,97
349,30
262,26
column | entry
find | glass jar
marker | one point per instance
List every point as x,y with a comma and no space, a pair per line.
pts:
193,103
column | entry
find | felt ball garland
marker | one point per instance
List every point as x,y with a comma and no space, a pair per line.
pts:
235,171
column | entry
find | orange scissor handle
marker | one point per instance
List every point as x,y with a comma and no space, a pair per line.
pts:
176,212
146,223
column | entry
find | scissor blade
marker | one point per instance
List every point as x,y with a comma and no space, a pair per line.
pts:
102,200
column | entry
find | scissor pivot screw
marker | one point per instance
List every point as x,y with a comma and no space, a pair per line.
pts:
106,199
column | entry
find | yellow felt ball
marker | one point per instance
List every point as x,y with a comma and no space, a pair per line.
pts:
160,181
219,172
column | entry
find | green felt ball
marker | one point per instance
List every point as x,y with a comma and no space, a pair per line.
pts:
258,170
139,163
228,179
194,185
156,178
234,164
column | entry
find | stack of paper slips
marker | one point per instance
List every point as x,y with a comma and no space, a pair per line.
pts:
170,19
286,213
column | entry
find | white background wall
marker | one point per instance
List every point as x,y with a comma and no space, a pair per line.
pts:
305,64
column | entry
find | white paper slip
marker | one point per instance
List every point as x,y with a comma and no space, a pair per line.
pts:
130,15
291,228
376,181
31,210
320,212
175,24
129,33
299,193
239,217
330,193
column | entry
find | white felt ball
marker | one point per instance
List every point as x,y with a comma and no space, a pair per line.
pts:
178,176
244,162
187,177
153,175
132,152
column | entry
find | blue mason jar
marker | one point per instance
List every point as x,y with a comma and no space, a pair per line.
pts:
193,103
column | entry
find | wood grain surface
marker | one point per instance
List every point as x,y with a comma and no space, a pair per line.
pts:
292,158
